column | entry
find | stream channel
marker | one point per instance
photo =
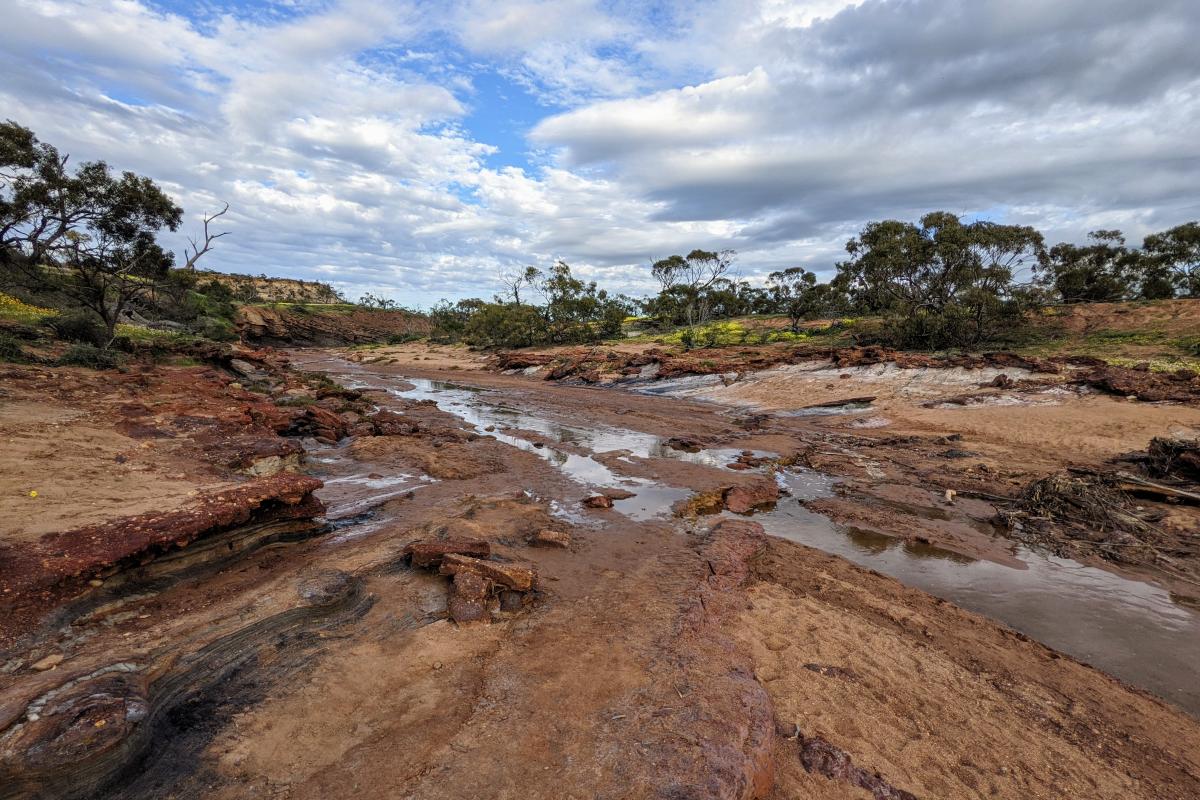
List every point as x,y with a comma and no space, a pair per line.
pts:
1130,629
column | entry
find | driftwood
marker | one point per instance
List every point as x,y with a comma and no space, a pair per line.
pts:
1135,485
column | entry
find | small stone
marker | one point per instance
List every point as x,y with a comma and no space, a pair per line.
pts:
685,444
95,582
598,501
49,662
511,602
551,538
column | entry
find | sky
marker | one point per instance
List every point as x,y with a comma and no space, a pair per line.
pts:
416,150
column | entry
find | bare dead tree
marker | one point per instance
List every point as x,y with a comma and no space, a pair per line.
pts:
198,250
514,281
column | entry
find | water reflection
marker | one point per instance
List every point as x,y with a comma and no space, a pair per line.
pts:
1130,629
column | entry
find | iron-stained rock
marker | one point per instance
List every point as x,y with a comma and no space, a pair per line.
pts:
521,577
429,553
468,596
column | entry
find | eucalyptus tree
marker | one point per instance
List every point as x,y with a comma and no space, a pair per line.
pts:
941,282
87,234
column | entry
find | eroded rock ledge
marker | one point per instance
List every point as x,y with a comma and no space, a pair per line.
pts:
31,575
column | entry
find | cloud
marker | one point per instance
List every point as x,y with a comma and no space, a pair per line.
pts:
352,146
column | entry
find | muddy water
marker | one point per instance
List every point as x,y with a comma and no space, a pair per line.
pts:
513,426
1128,628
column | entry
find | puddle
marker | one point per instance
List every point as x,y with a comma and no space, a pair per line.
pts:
472,406
1128,628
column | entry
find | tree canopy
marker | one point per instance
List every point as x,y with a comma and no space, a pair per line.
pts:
87,234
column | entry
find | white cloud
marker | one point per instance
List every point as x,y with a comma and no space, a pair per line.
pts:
340,133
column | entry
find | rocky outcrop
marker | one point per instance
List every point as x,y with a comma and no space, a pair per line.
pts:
1181,386
479,584
341,325
728,752
595,364
84,731
273,290
73,556
429,553
743,498
518,577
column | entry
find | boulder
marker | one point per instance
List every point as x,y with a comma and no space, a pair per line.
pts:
389,423
749,497
521,577
685,444
469,596
430,552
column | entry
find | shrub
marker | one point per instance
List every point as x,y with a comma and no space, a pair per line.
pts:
215,328
86,355
80,326
505,325
401,338
717,334
10,349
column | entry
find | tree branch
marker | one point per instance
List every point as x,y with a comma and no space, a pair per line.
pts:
198,250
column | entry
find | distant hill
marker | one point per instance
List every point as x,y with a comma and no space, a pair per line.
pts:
261,289
328,325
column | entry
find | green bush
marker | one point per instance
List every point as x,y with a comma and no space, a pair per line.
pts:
402,338
86,355
79,326
10,349
215,328
506,325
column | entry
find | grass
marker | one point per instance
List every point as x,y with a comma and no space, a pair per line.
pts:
1123,348
139,335
742,331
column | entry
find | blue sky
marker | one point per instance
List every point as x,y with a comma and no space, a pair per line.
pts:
417,149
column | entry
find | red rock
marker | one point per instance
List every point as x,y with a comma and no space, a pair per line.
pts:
82,552
598,501
389,423
429,553
468,597
511,601
749,497
551,538
521,577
